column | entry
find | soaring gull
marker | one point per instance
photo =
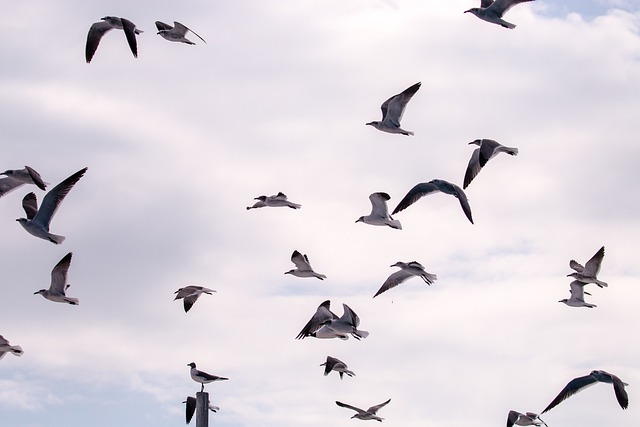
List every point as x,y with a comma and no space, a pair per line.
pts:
577,296
369,414
279,200
589,273
108,23
392,111
492,11
487,149
203,377
176,33
407,271
580,383
19,177
57,289
433,186
335,364
328,325
380,212
303,267
190,294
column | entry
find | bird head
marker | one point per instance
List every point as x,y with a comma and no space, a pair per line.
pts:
374,123
22,221
193,365
289,272
361,219
477,141
397,264
261,198
473,10
41,291
574,275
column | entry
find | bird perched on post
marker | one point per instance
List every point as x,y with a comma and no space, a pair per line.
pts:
203,377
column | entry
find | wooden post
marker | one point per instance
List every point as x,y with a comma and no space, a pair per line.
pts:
202,409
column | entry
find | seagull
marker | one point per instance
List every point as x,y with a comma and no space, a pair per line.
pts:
588,273
16,350
488,149
303,267
334,364
37,220
202,377
278,200
59,285
528,419
326,332
369,414
492,11
321,317
392,111
191,408
577,296
18,177
380,212
176,33
107,23
407,270
190,295
580,383
432,186
347,324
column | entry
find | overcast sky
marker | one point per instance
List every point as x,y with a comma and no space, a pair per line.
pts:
179,141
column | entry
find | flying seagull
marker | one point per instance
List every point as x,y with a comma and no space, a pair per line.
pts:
303,267
528,419
18,177
487,149
407,271
380,212
335,364
37,220
278,200
5,348
433,186
326,324
203,377
369,414
191,408
176,33
392,111
320,318
325,332
190,294
107,23
347,324
492,11
577,296
589,273
580,383
57,289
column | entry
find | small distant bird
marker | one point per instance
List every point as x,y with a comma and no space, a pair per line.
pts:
176,33
407,271
528,419
589,273
108,23
380,212
57,289
580,383
577,296
335,364
203,377
369,414
18,177
433,186
191,408
492,11
190,294
488,149
5,348
303,267
393,110
37,220
279,200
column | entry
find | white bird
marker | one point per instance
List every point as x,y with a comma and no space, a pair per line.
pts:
57,289
492,11
279,200
407,271
100,28
577,296
589,273
176,33
18,177
393,110
203,377
347,324
38,220
303,267
191,408
321,317
488,149
335,364
369,414
5,348
528,419
433,186
380,212
580,383
190,294
326,332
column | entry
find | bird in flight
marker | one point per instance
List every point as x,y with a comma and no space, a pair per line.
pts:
100,28
433,186
393,110
589,272
578,384
577,296
369,414
190,294
407,271
19,177
335,364
492,11
380,212
528,419
487,149
279,200
58,288
176,33
303,267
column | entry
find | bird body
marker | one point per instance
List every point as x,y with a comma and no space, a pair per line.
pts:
435,185
578,384
589,272
492,11
303,267
487,149
278,200
190,294
407,271
335,364
380,212
577,296
57,289
176,33
325,324
6,347
369,414
100,28
527,419
393,110
203,377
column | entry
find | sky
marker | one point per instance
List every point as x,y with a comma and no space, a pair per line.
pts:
180,140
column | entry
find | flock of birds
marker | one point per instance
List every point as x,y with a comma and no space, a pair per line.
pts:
323,324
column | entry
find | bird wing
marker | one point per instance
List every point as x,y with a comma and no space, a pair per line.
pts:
59,275
487,150
393,108
96,31
500,7
36,178
130,32
379,204
322,316
30,205
188,301
393,280
573,387
577,290
186,291
161,26
301,261
280,196
349,316
54,197
329,364
344,405
473,168
512,418
3,340
8,184
183,29
375,408
576,266
191,408
485,3
464,202
621,393
414,195
592,267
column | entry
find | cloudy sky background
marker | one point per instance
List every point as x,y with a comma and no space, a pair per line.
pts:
180,141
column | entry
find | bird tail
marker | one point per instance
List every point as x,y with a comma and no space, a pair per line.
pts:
72,301
512,150
360,334
350,373
55,238
16,349
429,278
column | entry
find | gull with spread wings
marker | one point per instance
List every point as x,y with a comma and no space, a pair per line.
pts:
393,110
